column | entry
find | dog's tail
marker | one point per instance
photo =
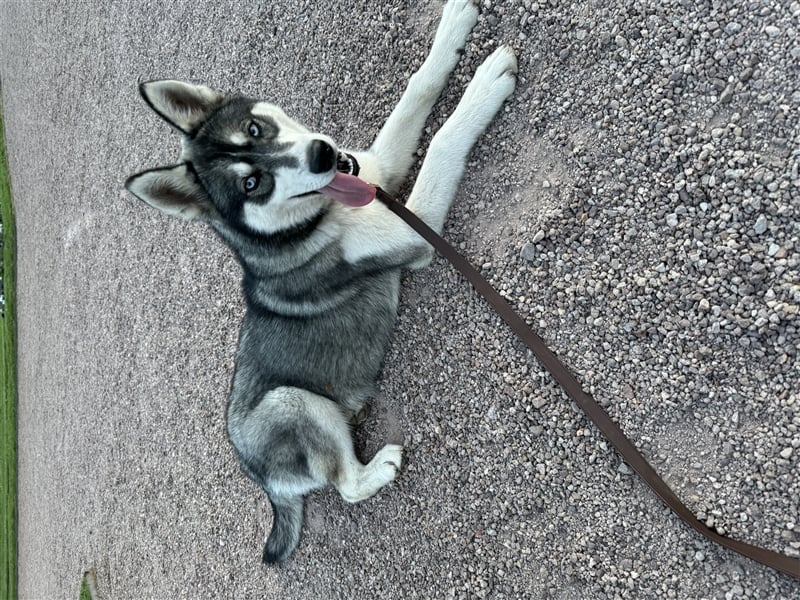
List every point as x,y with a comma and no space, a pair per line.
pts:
287,519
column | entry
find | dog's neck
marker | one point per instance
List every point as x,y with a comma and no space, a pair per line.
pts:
252,246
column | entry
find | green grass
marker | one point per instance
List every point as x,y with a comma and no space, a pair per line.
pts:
8,390
85,593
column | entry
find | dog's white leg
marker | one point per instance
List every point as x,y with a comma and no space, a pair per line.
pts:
358,482
447,156
371,231
392,154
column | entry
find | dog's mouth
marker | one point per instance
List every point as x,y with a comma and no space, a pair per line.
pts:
345,187
346,163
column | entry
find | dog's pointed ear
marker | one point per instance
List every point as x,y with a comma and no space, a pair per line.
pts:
182,105
174,191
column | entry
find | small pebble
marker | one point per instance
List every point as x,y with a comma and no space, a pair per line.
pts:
624,469
528,251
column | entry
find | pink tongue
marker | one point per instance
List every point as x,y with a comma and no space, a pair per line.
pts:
349,190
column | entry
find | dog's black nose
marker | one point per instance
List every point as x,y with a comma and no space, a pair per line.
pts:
321,157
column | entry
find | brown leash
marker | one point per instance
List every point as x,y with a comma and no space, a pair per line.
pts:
785,564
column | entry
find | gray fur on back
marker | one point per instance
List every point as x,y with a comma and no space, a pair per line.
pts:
313,321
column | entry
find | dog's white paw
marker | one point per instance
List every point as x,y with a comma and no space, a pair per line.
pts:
389,457
492,84
458,19
385,465
382,469
497,75
364,481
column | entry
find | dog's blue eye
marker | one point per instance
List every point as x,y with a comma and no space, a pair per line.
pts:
250,183
254,129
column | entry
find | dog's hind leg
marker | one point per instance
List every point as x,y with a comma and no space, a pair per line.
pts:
357,482
335,460
293,442
331,457
391,155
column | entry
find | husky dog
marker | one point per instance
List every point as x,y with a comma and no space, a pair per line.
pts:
321,265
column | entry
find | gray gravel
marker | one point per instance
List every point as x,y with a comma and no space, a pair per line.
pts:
638,200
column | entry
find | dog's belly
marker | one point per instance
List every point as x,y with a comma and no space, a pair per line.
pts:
337,353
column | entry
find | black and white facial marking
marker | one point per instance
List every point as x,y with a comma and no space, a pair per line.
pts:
259,167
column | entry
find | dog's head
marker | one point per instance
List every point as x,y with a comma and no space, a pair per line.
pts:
244,162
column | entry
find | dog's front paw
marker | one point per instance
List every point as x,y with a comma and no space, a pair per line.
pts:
458,19
496,77
492,84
